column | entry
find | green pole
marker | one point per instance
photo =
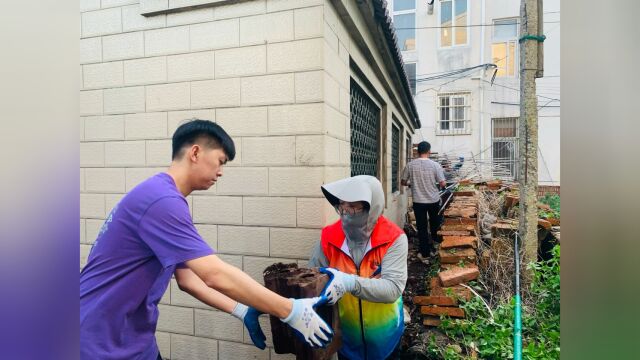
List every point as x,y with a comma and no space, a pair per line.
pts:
517,326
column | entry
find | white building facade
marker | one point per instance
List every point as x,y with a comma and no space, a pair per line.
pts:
463,111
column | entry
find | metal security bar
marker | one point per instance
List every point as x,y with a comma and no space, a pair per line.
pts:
453,114
395,157
365,133
505,147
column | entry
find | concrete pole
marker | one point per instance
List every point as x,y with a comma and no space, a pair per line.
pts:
528,156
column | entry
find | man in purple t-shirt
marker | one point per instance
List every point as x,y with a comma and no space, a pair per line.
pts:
149,236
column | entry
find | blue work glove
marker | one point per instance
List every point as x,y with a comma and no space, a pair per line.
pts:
307,324
339,284
249,317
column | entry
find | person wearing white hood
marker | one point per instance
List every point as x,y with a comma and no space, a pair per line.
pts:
365,256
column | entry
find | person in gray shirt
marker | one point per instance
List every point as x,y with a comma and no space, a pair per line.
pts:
425,176
365,256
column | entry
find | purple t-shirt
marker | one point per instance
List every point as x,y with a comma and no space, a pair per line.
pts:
129,267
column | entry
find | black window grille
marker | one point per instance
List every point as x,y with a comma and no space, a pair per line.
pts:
395,157
365,125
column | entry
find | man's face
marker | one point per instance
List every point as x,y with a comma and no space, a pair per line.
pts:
207,167
350,208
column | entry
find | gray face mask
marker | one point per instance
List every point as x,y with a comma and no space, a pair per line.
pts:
355,226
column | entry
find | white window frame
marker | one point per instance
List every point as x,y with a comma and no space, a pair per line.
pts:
453,29
406,12
454,127
507,41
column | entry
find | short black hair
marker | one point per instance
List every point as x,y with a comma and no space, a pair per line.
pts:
424,147
194,130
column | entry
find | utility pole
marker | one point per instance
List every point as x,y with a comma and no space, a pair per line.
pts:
531,39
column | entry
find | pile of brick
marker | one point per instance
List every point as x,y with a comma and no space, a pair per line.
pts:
458,260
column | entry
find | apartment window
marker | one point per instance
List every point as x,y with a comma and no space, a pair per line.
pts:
395,157
365,133
404,20
410,69
504,136
505,46
453,114
453,21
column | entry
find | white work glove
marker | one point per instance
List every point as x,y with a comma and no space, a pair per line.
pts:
249,317
307,324
339,284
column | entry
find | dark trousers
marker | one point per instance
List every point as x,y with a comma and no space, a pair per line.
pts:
427,218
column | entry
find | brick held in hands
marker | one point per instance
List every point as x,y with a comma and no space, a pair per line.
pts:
291,281
458,275
442,310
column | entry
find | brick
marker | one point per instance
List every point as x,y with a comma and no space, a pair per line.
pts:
191,347
331,92
317,150
217,209
264,151
92,206
460,221
158,152
92,229
243,121
147,6
296,119
91,154
463,264
209,233
435,300
464,193
309,86
103,75
431,321
309,22
135,176
454,233
84,254
218,325
215,93
279,5
235,260
267,28
215,35
311,212
244,181
465,212
438,310
244,61
104,128
105,180
133,21
544,224
190,17
171,40
455,227
457,291
164,343
240,9
269,211
101,22
503,230
267,90
458,275
245,240
87,5
235,351
91,102
145,71
337,124
145,126
459,241
196,66
168,96
296,181
90,50
123,46
454,256
293,243
124,100
176,118
124,153
335,67
175,319
297,55
345,101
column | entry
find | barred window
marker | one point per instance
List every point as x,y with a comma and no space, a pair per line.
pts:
395,157
365,125
453,114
